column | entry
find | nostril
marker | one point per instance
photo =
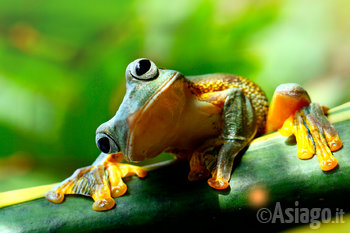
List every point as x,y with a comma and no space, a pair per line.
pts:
103,144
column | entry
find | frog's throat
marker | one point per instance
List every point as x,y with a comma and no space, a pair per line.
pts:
149,103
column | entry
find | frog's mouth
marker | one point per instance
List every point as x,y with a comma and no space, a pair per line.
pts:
137,116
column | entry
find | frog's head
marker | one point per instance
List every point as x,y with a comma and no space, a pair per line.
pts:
146,122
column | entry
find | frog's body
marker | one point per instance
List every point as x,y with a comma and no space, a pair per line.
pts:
188,112
206,119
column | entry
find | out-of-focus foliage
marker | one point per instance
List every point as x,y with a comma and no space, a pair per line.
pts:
62,64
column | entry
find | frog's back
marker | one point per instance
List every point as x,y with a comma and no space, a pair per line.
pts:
210,83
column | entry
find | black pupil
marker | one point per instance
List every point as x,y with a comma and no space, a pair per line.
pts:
142,67
103,144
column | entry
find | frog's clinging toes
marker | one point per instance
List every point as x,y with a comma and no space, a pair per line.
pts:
206,119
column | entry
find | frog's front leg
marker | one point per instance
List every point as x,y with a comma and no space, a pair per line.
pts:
239,129
292,112
102,181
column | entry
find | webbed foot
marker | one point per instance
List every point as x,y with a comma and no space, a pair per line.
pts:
314,135
101,181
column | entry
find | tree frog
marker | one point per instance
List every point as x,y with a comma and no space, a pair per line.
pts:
206,119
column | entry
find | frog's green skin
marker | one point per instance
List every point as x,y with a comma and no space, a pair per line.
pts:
206,119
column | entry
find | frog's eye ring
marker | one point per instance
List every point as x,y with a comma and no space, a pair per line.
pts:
143,69
106,144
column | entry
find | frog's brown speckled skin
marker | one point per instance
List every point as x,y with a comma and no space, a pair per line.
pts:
204,84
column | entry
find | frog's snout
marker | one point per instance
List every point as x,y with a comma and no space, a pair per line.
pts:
106,143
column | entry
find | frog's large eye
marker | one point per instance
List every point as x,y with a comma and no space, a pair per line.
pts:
106,143
143,69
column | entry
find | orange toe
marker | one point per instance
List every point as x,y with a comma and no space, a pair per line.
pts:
103,204
218,183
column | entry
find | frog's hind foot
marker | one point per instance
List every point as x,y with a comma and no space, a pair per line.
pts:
291,109
101,181
314,135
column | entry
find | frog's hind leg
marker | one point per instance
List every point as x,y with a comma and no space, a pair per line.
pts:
291,110
101,181
239,128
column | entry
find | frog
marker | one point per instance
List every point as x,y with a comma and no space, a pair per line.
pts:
204,119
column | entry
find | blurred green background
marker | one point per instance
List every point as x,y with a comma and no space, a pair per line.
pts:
62,64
